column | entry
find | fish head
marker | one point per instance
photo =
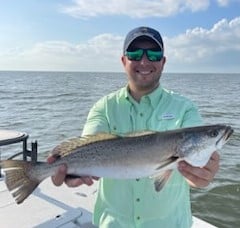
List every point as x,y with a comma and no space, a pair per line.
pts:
199,143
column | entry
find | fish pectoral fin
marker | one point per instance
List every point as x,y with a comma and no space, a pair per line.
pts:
167,163
161,180
161,177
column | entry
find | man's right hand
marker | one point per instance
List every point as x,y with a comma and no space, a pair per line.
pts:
61,176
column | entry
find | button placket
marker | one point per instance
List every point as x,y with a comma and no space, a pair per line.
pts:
137,202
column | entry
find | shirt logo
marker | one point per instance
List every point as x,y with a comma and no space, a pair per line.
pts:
168,116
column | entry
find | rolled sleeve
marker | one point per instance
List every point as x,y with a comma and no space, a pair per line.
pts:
96,120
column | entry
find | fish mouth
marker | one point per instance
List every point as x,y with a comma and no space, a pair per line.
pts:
225,137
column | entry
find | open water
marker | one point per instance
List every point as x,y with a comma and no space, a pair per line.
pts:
53,106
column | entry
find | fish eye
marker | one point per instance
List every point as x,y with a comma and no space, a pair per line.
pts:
214,133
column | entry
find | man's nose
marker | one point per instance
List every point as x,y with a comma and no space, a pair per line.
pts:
144,59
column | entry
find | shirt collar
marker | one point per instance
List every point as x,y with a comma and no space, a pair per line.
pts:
154,96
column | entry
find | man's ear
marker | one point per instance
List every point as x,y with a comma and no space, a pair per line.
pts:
123,59
164,61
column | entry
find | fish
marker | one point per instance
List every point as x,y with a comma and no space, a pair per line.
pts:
136,155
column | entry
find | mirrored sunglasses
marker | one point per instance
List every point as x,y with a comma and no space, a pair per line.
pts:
152,55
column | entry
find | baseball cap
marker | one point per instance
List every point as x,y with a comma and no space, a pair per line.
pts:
147,32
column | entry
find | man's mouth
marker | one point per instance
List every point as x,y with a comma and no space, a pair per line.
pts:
144,72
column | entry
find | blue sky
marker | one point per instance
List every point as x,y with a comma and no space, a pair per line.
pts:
87,35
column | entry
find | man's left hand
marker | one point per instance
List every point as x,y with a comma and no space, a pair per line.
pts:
200,177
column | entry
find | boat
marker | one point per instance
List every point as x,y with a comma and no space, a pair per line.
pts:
50,206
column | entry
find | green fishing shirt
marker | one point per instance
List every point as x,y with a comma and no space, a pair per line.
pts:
135,203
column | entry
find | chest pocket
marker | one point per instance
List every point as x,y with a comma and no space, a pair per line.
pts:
165,121
119,120
169,121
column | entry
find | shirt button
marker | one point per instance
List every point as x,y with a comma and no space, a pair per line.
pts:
137,179
138,200
138,218
141,114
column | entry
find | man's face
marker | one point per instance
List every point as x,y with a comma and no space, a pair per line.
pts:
143,75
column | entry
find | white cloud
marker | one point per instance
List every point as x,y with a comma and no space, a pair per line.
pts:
133,8
223,2
197,50
204,48
94,55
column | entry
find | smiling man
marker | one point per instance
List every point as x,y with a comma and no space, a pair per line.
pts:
143,105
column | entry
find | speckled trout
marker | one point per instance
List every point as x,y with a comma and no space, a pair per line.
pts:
138,155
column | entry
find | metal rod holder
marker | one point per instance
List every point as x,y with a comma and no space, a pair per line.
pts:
34,152
11,137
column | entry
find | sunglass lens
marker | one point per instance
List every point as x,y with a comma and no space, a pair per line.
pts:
135,55
154,55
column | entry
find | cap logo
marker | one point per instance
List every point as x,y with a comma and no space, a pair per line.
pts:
144,30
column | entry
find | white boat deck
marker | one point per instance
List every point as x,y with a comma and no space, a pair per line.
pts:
51,206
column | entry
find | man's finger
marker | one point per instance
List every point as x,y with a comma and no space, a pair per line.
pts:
213,163
73,182
60,175
51,159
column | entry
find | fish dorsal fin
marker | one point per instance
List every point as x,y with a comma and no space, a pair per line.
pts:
141,133
67,147
97,137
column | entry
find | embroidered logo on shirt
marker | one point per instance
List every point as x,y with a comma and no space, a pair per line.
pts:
168,116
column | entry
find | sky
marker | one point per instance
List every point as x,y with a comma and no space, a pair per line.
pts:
87,35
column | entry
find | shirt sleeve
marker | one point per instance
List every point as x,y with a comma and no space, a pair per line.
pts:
192,117
96,120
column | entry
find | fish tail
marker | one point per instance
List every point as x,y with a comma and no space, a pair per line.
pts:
18,179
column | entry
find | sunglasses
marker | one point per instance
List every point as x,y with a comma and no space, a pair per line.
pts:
152,55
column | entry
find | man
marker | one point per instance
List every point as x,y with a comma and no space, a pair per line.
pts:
143,105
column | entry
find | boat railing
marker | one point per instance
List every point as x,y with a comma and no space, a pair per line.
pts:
8,137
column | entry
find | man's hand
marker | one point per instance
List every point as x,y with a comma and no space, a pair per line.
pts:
61,176
200,177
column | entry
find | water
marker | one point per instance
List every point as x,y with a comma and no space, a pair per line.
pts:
53,106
